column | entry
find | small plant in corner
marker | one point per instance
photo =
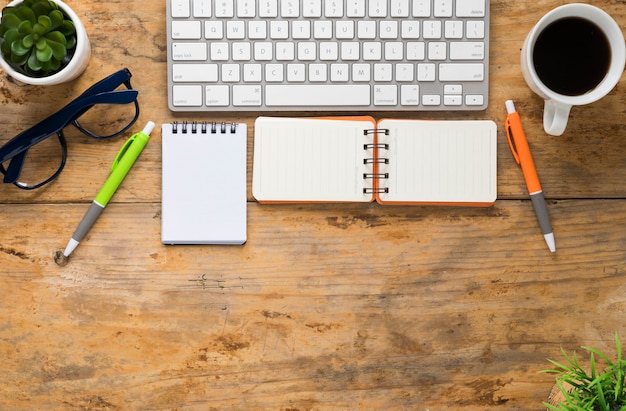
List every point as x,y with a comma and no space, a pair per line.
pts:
598,388
37,38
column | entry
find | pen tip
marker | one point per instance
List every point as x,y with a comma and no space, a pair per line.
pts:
510,107
148,128
550,242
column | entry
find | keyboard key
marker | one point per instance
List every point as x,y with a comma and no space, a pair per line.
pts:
474,99
250,96
409,95
225,8
187,96
461,72
421,8
470,8
202,8
217,96
386,95
307,95
191,30
180,8
188,73
268,8
443,8
467,50
189,51
290,8
355,8
333,8
312,8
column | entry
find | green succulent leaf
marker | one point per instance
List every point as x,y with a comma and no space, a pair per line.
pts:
27,14
57,37
33,63
58,49
45,53
28,41
45,22
25,27
41,7
67,28
19,60
10,20
56,19
18,48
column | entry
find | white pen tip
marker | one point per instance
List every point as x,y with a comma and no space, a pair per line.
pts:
550,241
148,128
510,107
71,245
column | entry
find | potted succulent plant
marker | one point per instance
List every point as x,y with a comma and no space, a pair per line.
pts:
42,42
600,387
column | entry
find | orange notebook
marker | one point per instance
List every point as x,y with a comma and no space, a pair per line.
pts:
356,159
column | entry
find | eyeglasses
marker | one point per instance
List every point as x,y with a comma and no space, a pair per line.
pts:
32,159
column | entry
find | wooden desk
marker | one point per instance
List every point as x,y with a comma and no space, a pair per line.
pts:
326,306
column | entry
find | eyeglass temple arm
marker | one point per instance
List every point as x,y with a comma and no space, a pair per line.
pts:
15,167
108,83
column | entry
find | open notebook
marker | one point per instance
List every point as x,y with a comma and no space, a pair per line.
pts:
356,159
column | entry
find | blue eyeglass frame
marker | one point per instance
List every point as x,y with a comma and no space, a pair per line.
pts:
103,92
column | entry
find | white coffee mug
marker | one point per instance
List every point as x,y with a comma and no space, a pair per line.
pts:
550,74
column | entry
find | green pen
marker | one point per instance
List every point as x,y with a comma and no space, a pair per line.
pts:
122,164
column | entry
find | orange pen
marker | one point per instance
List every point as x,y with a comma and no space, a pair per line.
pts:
521,152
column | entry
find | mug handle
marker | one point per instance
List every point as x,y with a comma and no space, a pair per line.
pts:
555,117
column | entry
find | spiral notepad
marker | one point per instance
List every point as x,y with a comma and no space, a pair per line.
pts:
355,159
204,183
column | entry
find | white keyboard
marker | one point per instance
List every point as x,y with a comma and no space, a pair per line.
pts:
327,55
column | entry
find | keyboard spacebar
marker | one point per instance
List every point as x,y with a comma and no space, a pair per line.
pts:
317,95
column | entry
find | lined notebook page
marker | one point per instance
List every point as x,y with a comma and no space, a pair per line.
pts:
440,161
301,160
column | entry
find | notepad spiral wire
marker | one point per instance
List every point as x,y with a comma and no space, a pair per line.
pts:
204,127
375,161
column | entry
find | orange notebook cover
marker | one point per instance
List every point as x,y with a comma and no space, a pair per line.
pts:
392,161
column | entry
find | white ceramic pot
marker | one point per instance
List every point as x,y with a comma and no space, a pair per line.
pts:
77,64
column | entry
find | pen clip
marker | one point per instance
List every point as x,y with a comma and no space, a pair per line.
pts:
511,139
122,151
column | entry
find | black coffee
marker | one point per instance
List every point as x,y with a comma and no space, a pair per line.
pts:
571,56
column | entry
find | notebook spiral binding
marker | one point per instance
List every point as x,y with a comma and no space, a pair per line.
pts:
204,127
376,160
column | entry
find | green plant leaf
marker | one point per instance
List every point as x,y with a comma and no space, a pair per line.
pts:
41,8
45,22
10,20
58,50
28,41
27,14
33,63
18,48
67,28
19,60
25,27
44,54
56,18
57,37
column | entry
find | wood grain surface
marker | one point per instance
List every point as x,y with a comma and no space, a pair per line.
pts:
341,306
